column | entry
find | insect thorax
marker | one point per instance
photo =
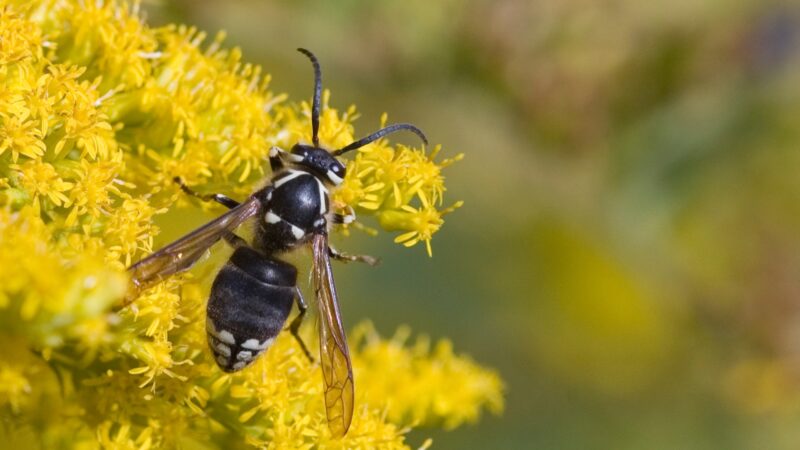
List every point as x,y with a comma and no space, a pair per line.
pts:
295,208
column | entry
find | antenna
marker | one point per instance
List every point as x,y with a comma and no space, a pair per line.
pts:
317,95
381,133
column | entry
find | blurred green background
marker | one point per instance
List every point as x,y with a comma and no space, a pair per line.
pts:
628,256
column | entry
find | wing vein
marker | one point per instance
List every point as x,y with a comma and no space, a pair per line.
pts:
183,253
337,370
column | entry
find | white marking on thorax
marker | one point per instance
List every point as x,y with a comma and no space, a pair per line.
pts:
290,175
297,232
323,195
271,217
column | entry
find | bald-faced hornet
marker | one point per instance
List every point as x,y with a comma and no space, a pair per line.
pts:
252,295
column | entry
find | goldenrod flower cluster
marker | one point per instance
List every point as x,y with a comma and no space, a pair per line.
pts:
98,113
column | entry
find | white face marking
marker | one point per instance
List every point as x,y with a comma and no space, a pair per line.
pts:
271,217
244,355
294,158
252,344
239,365
335,179
297,232
319,222
292,174
223,349
273,151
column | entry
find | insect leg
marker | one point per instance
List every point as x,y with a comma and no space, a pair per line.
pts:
233,240
276,157
350,217
219,198
346,257
295,325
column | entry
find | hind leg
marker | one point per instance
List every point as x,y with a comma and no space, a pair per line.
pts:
294,327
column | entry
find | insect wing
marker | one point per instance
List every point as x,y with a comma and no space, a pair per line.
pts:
337,371
183,253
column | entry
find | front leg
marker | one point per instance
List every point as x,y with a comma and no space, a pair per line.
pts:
277,157
219,198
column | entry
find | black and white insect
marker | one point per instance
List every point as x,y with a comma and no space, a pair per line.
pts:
252,295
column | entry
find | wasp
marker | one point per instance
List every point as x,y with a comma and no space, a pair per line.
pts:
252,295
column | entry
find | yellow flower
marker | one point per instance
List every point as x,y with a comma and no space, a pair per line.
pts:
403,187
422,222
21,137
413,395
40,179
98,113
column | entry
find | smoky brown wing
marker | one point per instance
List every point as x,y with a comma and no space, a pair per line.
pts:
337,372
183,253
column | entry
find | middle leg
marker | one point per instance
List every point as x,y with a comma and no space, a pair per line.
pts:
346,257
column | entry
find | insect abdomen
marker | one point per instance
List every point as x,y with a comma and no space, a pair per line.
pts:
248,306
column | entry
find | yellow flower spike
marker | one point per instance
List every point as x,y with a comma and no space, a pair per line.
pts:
423,223
98,114
421,369
384,181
